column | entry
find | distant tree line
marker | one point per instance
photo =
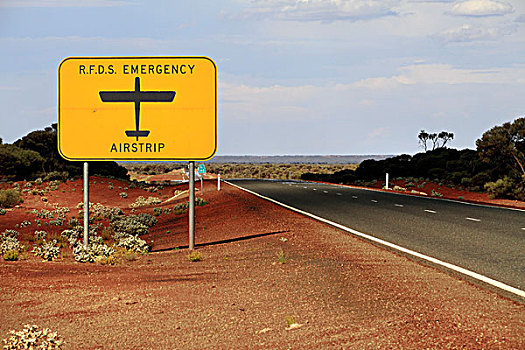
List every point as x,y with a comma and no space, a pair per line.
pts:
36,155
497,165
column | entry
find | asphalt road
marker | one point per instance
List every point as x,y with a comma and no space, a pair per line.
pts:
486,240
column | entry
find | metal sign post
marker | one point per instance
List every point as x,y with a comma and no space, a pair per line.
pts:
86,204
191,209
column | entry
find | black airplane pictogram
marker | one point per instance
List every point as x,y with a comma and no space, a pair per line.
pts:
137,97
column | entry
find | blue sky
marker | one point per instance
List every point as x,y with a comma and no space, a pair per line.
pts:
295,77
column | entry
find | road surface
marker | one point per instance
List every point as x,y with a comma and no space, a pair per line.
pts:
487,240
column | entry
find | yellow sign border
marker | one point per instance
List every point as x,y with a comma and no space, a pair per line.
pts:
142,158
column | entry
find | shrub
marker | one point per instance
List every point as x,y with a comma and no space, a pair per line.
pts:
506,188
9,233
200,202
106,260
40,235
123,194
9,243
194,256
130,224
2,211
9,198
31,337
436,194
141,202
282,256
132,243
180,208
11,255
92,252
157,211
146,219
56,175
48,251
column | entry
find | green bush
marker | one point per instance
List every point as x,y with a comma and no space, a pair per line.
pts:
9,198
506,188
56,175
11,255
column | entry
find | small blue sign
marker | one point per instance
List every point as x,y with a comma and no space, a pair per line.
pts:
201,169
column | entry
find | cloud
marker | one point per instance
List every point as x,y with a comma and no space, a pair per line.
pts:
444,74
379,133
467,33
63,3
319,10
481,8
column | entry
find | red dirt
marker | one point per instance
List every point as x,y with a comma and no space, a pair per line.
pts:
345,292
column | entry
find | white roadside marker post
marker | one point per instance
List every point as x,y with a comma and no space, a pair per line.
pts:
191,209
86,204
219,182
386,182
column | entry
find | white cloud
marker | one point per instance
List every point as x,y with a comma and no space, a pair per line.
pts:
313,102
481,8
63,3
444,74
379,132
467,33
320,10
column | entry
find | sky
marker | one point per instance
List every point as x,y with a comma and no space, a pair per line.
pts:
309,77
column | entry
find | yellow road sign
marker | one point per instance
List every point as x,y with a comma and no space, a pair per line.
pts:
137,108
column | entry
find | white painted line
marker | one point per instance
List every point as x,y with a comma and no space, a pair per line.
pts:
340,194
373,200
447,265
315,189
523,228
399,205
305,187
472,219
354,197
325,191
430,211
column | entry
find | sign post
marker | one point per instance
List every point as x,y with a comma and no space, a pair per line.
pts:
86,204
191,208
137,108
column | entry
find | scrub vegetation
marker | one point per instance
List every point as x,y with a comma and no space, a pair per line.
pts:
496,166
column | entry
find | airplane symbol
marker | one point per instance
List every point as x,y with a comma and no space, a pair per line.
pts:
137,97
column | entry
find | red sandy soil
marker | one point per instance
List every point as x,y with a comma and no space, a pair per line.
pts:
173,175
344,293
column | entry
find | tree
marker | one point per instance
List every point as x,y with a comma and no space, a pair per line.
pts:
19,164
438,140
445,137
505,147
423,138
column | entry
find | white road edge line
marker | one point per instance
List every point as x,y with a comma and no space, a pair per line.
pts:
354,197
373,200
430,211
447,265
399,205
340,194
473,219
325,191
